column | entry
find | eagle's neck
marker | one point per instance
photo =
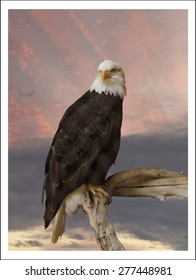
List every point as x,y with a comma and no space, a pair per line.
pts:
115,86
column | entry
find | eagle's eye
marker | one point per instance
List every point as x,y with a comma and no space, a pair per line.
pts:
113,70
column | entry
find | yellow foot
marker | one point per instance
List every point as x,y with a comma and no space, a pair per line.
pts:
96,189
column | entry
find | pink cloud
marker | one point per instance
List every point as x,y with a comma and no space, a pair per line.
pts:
60,50
86,34
26,121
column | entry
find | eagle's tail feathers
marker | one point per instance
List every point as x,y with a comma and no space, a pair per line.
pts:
59,223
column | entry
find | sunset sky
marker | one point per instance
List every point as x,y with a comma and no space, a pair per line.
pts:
53,59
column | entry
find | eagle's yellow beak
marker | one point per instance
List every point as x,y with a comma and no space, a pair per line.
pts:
105,74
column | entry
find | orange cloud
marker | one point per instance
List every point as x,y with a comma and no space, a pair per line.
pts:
27,50
35,239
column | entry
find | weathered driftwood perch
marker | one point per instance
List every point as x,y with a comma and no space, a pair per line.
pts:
147,182
104,230
141,182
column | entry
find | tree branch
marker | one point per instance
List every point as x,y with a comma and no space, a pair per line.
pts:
147,182
140,182
104,230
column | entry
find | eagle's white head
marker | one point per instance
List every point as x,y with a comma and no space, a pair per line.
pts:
110,79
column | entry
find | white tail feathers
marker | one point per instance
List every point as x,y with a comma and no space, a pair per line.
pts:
69,206
59,223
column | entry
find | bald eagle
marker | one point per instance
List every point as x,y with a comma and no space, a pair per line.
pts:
86,143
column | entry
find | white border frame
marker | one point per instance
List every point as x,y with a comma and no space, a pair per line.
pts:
6,254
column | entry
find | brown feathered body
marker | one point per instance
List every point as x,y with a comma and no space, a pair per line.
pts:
83,149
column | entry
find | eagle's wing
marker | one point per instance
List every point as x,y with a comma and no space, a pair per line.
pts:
82,132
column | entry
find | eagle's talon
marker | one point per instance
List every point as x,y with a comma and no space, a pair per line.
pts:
93,190
109,199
